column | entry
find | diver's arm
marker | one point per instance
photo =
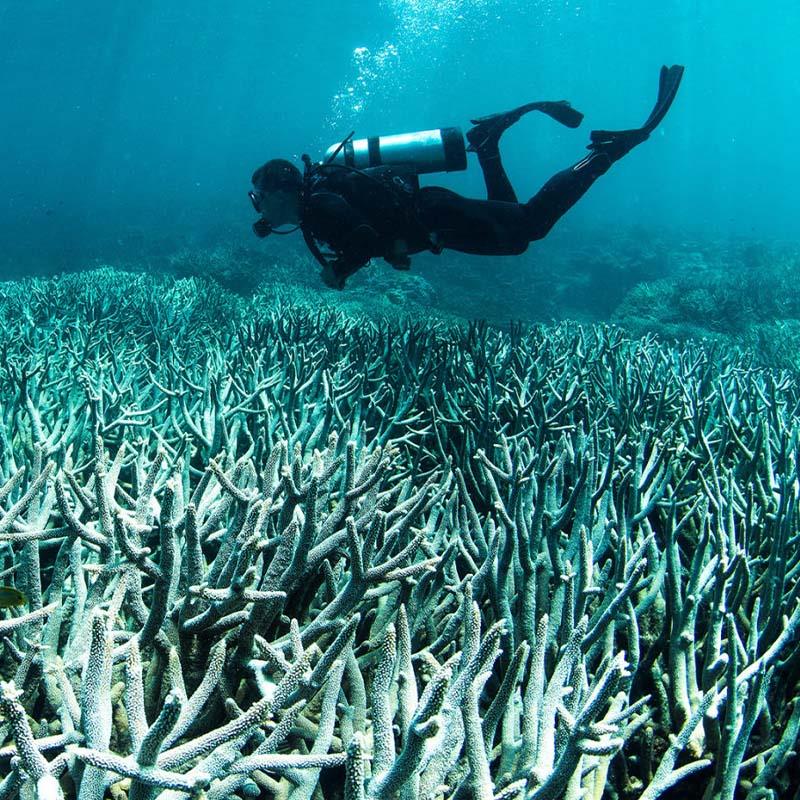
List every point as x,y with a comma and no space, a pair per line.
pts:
334,221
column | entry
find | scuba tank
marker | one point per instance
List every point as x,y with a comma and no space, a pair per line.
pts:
439,150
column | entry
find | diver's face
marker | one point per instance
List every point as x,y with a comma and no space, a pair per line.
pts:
277,208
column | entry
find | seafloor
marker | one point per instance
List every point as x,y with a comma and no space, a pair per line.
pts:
262,544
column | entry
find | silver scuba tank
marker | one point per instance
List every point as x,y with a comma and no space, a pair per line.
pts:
438,150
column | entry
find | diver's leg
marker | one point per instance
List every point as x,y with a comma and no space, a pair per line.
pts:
498,186
561,192
479,227
484,139
564,189
487,227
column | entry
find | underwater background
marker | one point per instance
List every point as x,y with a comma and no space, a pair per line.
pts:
521,528
130,131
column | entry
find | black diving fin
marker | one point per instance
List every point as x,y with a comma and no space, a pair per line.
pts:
668,84
489,129
616,144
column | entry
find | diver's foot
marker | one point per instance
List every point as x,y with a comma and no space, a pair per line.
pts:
488,130
616,144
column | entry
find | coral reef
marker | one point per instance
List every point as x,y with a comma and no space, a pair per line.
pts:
749,299
275,550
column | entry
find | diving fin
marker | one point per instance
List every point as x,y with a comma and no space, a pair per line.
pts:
489,129
669,81
616,144
561,111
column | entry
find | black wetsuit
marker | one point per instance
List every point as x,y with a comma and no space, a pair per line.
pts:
360,216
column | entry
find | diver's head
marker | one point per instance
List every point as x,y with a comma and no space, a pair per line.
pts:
276,192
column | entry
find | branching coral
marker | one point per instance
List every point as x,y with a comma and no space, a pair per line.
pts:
289,554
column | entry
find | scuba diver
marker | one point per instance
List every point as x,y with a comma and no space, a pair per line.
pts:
364,200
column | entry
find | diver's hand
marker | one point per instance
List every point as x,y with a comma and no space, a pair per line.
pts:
398,255
330,278
335,273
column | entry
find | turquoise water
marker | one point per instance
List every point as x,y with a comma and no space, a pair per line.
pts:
124,121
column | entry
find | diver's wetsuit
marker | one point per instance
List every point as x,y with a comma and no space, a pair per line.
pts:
361,217
500,225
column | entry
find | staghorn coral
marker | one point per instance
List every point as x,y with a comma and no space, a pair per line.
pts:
747,298
284,552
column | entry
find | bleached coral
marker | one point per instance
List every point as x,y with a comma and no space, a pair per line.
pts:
291,553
